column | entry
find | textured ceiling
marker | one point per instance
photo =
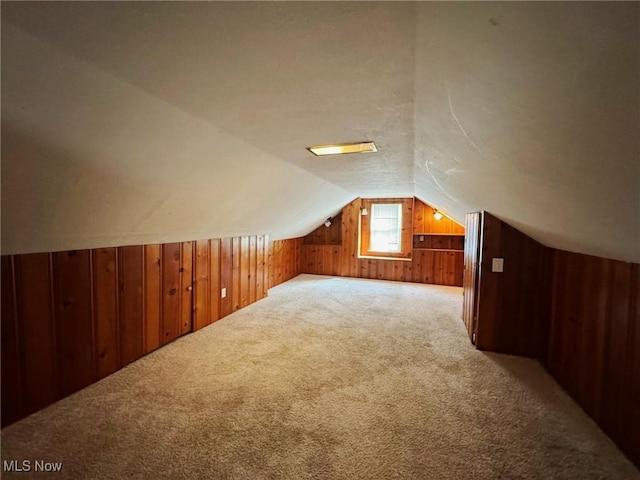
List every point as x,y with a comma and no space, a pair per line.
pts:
130,122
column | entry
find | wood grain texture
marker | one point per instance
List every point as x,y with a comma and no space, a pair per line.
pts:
72,302
253,268
425,222
262,283
226,276
444,267
473,228
186,288
236,258
245,274
576,313
202,289
214,280
171,294
594,349
152,297
284,260
71,318
331,235
34,317
131,317
513,306
105,299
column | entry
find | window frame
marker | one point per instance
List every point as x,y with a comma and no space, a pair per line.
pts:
406,229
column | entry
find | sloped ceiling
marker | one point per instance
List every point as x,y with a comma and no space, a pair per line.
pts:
135,122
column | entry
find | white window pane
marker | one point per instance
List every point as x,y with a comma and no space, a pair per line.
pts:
386,227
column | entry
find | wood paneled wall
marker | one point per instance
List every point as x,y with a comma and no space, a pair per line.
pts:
594,343
72,318
513,306
578,314
425,266
425,222
331,235
284,260
473,227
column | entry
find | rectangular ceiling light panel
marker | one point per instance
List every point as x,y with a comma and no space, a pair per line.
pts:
338,148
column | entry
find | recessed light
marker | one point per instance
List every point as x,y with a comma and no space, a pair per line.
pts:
338,148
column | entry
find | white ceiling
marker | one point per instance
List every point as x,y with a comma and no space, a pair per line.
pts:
135,122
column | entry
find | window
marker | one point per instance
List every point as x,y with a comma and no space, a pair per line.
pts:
386,227
385,230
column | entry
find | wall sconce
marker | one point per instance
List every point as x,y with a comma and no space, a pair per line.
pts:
327,223
364,211
437,215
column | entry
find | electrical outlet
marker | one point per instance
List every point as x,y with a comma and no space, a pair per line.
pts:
422,238
497,265
223,293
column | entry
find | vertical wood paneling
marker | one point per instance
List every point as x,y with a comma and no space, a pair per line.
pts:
186,287
285,260
171,294
425,222
260,268
152,297
245,271
438,267
323,235
226,276
593,349
131,317
74,330
513,305
214,280
36,328
70,318
105,298
235,262
202,288
253,267
12,391
471,262
618,356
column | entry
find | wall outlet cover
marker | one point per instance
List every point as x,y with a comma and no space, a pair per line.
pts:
223,293
497,265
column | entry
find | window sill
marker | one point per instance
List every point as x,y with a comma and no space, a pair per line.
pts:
373,257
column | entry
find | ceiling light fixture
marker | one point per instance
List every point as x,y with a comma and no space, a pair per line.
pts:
327,223
338,148
437,215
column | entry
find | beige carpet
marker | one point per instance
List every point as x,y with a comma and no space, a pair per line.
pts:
326,378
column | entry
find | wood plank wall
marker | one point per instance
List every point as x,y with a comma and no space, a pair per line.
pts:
425,222
284,260
425,266
578,314
322,235
72,318
513,305
594,343
473,227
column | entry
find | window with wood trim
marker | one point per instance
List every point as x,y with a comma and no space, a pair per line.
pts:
386,227
386,231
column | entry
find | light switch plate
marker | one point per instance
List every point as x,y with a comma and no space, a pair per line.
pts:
223,293
497,265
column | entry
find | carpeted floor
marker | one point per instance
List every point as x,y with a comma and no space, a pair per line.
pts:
326,378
